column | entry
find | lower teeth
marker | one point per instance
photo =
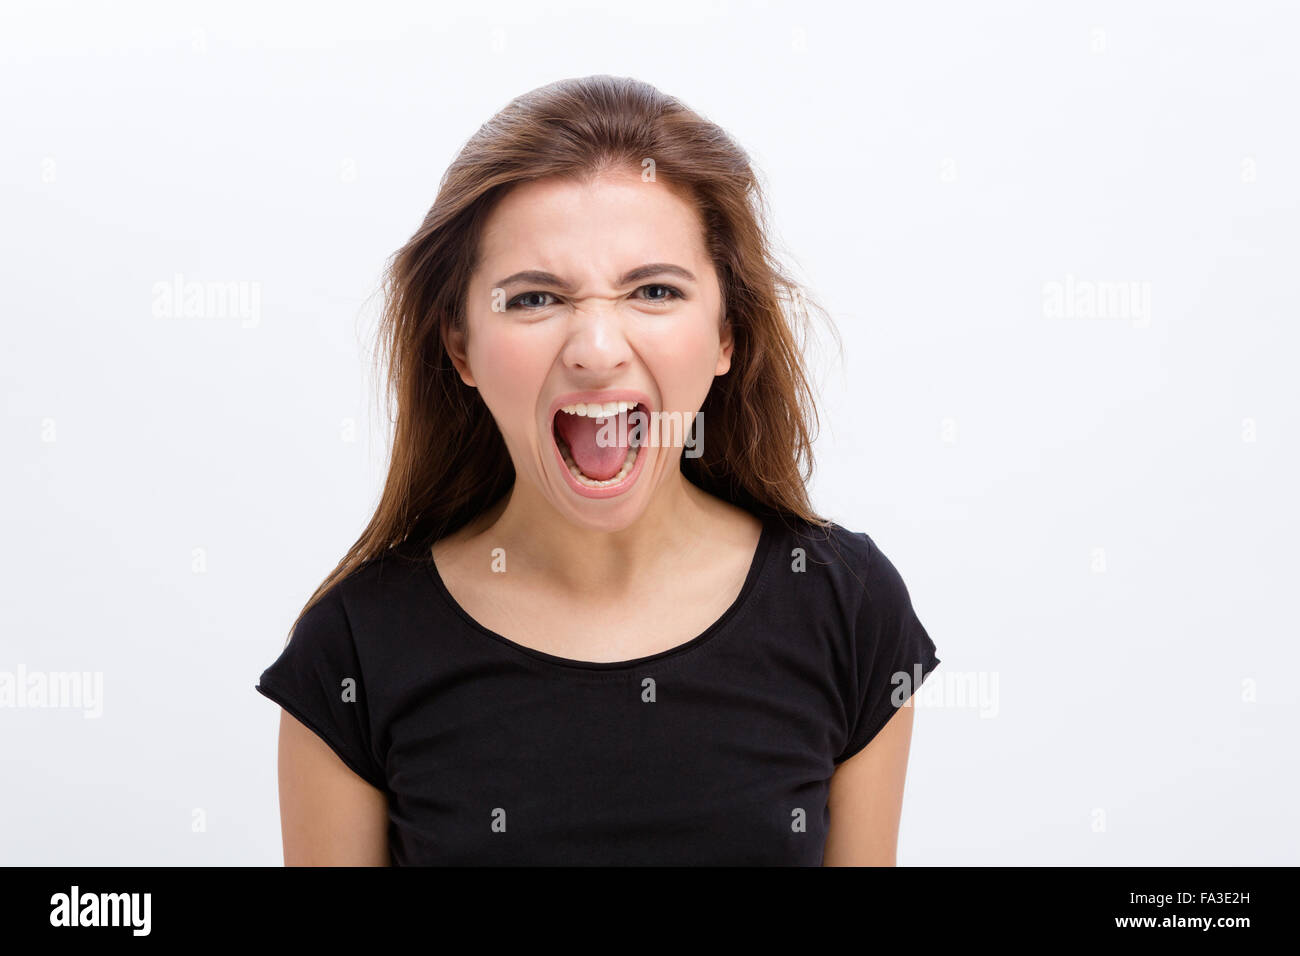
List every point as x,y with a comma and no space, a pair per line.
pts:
574,470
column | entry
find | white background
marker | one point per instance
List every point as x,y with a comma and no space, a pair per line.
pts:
1092,512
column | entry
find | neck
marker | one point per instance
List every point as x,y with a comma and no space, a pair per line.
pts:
678,518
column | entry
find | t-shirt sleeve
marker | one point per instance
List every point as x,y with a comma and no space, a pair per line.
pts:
893,654
317,679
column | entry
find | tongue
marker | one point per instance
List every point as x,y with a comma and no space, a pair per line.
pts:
579,433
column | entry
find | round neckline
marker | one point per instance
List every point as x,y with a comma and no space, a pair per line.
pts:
756,565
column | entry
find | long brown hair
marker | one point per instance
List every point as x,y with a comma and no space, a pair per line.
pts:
448,461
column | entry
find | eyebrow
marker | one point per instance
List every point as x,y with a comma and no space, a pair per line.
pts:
627,278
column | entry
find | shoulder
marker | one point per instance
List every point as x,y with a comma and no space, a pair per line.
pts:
855,571
357,605
830,549
381,575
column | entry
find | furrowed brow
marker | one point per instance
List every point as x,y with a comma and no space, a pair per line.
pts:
534,277
655,269
538,277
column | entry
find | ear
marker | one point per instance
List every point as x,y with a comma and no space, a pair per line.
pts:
726,345
453,340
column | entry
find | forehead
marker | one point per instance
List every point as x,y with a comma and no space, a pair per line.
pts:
601,227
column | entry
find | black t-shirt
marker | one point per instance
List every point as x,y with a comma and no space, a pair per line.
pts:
716,752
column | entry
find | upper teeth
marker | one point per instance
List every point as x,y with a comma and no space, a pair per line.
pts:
594,410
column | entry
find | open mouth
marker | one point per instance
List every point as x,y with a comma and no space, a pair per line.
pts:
598,444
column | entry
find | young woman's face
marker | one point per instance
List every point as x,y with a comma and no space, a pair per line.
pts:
600,323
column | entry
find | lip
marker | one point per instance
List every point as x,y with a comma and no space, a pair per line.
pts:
611,395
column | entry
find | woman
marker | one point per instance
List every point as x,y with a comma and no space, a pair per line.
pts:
594,619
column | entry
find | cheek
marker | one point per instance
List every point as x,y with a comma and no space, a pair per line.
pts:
509,371
683,360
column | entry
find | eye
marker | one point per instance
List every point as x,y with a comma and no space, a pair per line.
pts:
514,303
670,294
673,293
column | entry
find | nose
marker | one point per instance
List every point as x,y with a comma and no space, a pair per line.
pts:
596,338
